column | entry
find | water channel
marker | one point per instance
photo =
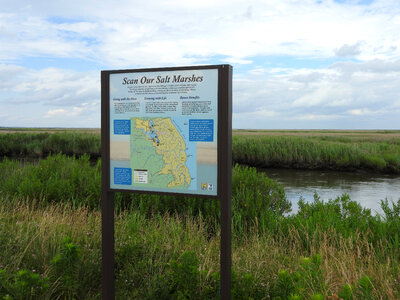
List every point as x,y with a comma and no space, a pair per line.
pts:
365,188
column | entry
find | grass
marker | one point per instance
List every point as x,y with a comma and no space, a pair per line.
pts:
50,225
59,178
168,248
31,237
373,151
321,152
156,255
48,130
39,145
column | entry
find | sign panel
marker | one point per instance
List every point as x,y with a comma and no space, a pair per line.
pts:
164,130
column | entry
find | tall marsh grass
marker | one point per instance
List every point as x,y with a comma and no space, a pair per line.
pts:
168,247
172,256
59,178
317,153
307,152
39,145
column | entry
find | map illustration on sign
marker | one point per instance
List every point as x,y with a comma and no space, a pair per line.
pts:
158,152
163,131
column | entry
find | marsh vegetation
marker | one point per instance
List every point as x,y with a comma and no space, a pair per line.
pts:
168,247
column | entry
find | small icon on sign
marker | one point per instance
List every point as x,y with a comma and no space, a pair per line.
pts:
204,186
210,187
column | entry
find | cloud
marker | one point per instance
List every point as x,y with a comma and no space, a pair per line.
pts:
181,32
166,33
349,50
360,112
56,112
9,75
334,97
372,66
49,97
316,117
49,86
32,36
81,110
327,94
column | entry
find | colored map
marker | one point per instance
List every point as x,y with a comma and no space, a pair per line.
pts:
158,154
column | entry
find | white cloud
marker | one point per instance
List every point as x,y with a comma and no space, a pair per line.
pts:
50,86
34,36
82,110
160,33
186,32
334,97
312,117
349,50
327,94
49,97
360,112
55,112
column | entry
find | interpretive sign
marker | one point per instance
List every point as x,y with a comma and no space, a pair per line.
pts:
166,131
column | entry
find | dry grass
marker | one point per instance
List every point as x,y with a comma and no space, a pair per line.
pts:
353,134
359,134
4,130
34,234
39,230
345,261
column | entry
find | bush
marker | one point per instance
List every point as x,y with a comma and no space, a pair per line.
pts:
307,279
59,178
62,283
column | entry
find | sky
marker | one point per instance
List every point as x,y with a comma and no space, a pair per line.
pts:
297,64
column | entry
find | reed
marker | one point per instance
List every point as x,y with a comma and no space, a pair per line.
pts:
257,201
39,145
168,247
59,178
374,152
159,256
317,153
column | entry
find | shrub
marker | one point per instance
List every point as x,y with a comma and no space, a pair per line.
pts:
64,267
22,285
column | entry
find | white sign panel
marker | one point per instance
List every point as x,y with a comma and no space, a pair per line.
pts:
163,131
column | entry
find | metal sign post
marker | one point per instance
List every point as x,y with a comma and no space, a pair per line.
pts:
181,118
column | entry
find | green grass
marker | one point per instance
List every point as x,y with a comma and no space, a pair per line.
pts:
162,241
168,247
321,152
173,256
39,145
48,129
59,178
257,201
368,151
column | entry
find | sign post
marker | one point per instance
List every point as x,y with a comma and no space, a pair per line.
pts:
166,131
225,155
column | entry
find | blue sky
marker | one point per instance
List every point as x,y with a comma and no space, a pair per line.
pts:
298,64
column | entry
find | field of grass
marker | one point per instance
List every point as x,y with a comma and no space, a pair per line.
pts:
373,134
168,248
53,252
4,130
59,178
33,145
372,151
